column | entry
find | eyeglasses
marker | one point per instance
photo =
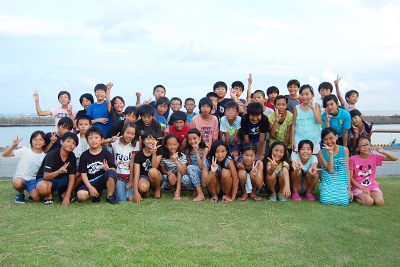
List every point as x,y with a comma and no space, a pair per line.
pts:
230,110
363,146
175,105
36,139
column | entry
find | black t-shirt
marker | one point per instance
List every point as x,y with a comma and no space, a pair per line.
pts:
115,116
53,162
155,126
254,130
115,128
145,162
57,144
92,165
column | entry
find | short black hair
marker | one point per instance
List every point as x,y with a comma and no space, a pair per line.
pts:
83,117
303,142
255,108
70,135
146,109
147,134
162,100
115,98
66,122
176,99
281,97
295,82
349,93
260,92
205,101
220,84
131,109
304,86
64,93
36,133
325,85
100,86
329,98
178,115
189,99
272,89
93,130
133,125
238,84
87,96
211,94
231,104
157,86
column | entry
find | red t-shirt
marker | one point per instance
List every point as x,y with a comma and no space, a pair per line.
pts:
182,134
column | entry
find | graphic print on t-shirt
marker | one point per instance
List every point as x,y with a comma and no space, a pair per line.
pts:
122,161
206,133
94,167
364,172
147,165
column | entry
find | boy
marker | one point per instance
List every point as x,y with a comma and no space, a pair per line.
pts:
259,96
293,87
83,124
159,91
230,127
57,171
272,93
65,111
53,138
351,97
214,98
179,128
97,169
324,89
238,88
190,105
221,89
176,105
147,123
98,111
254,127
162,106
337,118
131,113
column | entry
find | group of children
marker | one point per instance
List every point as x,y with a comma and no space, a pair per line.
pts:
233,144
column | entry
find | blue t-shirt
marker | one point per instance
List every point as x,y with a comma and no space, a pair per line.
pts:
253,130
153,104
97,111
225,127
161,119
339,122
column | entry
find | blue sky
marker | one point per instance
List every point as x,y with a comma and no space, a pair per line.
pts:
187,46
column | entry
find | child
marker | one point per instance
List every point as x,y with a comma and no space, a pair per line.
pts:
306,120
115,107
219,173
162,106
276,172
272,93
363,170
190,105
147,123
238,88
146,171
254,126
214,98
53,139
159,91
57,171
293,87
176,105
230,127
259,96
83,124
197,151
65,111
304,177
98,111
179,128
86,100
221,89
97,169
131,113
250,172
30,160
280,122
351,96
173,163
335,181
124,151
206,123
359,127
337,118
324,89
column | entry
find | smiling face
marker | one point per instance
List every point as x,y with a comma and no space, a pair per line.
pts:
130,117
248,158
179,125
38,142
220,91
94,140
64,99
238,90
324,92
231,114
172,145
220,153
129,134
306,96
193,139
281,105
278,151
100,94
258,97
364,146
293,89
68,144
356,121
332,107
330,140
159,92
254,118
305,152
86,103
176,105
353,99
119,105
149,141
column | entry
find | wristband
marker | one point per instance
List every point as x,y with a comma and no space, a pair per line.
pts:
212,172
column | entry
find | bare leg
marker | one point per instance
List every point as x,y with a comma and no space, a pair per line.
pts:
295,179
214,187
144,187
364,199
242,183
34,194
155,179
226,183
110,186
378,198
178,186
310,181
253,195
270,181
18,184
44,189
83,195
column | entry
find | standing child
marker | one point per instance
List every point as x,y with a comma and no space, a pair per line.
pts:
221,89
197,152
176,105
159,91
86,100
98,111
276,172
335,181
272,93
206,123
293,87
148,123
124,151
324,89
190,105
214,98
30,160
179,128
230,127
359,127
115,107
219,173
162,106
365,189
306,120
53,139
280,122
351,96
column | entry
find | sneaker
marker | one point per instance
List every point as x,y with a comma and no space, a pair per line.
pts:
48,202
112,200
96,199
30,198
73,199
296,197
20,198
310,197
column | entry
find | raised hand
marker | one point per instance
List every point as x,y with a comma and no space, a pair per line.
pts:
313,169
250,79
116,137
138,94
36,96
254,170
298,165
64,168
328,149
233,93
328,117
105,165
53,137
16,141
378,149
146,102
278,116
239,165
175,156
69,110
109,85
336,82
214,165
355,129
273,162
154,148
196,147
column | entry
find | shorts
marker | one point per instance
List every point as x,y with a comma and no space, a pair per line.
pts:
58,184
357,191
232,146
100,182
163,177
28,184
120,191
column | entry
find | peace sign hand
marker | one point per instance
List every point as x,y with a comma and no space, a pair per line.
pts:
214,165
336,82
53,137
146,102
69,110
328,117
314,169
273,162
298,165
328,149
278,116
105,165
16,141
64,168
250,79
36,96
254,170
154,148
116,137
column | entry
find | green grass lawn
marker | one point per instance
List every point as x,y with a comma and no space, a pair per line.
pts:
164,232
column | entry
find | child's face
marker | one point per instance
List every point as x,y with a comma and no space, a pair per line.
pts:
272,96
248,157
306,96
83,126
214,101
94,140
220,91
161,109
190,106
68,144
172,145
86,103
238,90
149,141
193,139
254,118
100,95
332,107
330,140
281,105
64,99
129,134
356,120
293,89
324,92
231,114
220,153
176,105
119,105
353,99
62,130
159,92
205,109
305,151
130,117
278,151
258,97
364,147
179,125
38,142
147,119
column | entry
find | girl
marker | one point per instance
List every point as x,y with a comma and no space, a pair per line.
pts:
304,178
363,170
335,182
359,127
280,122
173,163
250,172
124,151
219,173
115,107
196,150
206,123
28,166
277,172
146,171
86,100
306,119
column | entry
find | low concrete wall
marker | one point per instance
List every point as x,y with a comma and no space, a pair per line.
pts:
383,119
23,121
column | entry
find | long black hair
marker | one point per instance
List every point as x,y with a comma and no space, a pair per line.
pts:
167,154
269,155
133,125
367,125
213,149
196,132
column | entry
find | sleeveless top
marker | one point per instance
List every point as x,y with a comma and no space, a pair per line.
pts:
193,158
334,186
306,127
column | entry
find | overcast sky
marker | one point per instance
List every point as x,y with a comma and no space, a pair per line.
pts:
187,46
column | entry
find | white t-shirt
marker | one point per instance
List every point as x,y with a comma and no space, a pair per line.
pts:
59,113
123,155
28,164
266,112
80,148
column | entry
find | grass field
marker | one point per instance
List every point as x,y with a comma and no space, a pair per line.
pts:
167,233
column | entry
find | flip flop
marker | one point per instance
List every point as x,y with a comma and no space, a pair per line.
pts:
177,198
272,198
243,198
281,198
198,199
214,199
256,198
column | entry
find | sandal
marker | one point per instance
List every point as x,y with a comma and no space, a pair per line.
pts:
310,197
256,198
296,197
177,198
198,199
272,198
281,198
214,199
243,198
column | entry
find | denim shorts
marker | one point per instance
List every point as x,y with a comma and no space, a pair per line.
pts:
28,184
120,191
